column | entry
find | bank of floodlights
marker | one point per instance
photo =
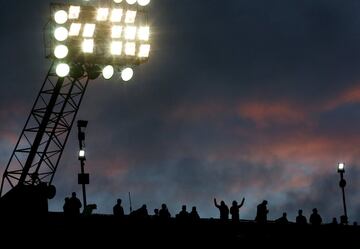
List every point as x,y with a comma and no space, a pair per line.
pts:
108,40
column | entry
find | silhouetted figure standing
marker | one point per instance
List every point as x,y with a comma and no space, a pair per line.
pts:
194,216
301,219
224,210
334,222
164,213
74,205
262,211
118,210
283,219
183,215
315,218
66,206
235,210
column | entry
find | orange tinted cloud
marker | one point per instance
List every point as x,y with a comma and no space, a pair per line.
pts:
348,96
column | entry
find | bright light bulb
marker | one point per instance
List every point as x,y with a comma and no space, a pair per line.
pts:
62,70
102,14
144,51
61,17
117,1
143,2
131,2
74,12
82,154
88,46
89,30
116,47
130,16
108,72
127,74
130,48
116,32
144,33
341,166
61,51
61,34
116,15
130,33
75,29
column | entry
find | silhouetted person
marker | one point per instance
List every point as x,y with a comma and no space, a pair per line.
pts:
262,211
301,219
118,210
66,206
224,210
194,216
283,219
141,213
74,205
334,222
183,215
343,220
315,218
164,213
235,210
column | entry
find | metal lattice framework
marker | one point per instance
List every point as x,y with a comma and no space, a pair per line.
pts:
42,141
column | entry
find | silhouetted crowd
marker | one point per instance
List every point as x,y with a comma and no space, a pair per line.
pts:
73,205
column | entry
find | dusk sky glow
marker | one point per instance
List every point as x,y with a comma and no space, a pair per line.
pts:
240,98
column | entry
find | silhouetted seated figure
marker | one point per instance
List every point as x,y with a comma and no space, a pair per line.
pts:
118,210
315,218
66,206
74,205
224,210
262,211
194,216
235,210
183,216
283,219
164,213
141,213
334,222
301,219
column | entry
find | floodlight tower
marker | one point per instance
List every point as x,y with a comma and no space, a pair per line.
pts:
83,42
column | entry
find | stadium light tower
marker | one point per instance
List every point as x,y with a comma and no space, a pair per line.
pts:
84,41
342,184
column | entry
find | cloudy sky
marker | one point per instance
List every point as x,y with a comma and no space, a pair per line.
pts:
241,98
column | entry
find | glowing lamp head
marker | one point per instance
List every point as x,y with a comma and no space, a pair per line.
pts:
61,34
108,72
127,74
143,2
62,70
61,17
341,167
82,154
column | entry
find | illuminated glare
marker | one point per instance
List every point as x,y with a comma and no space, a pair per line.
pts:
102,14
116,15
116,32
144,51
130,33
61,51
117,1
130,48
108,72
75,29
127,74
61,17
131,2
341,167
143,2
74,12
116,47
82,154
144,33
62,70
61,34
88,46
89,30
130,16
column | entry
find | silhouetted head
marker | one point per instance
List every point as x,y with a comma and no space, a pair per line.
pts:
334,221
183,208
156,211
194,209
300,212
264,202
315,211
73,194
163,206
144,206
284,214
234,203
119,201
222,203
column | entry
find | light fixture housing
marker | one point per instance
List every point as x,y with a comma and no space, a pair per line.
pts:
341,167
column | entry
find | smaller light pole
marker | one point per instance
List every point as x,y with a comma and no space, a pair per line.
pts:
342,184
83,178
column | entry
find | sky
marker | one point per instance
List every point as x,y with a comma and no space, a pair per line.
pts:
240,98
